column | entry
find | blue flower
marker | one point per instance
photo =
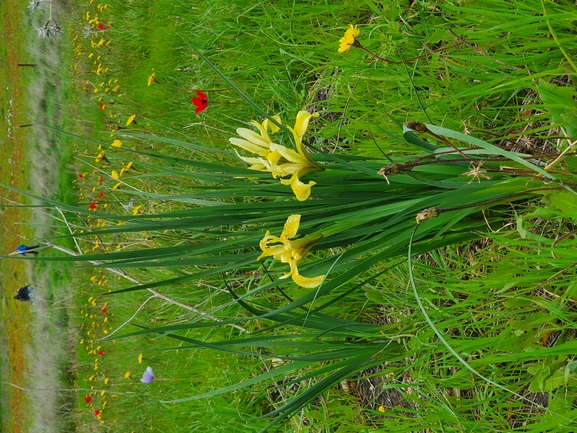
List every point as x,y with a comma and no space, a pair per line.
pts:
148,376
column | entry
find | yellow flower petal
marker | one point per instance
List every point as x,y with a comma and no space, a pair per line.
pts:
130,119
301,190
116,143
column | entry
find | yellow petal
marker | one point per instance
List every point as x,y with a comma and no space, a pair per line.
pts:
302,122
291,227
301,190
288,154
249,146
306,282
253,137
272,126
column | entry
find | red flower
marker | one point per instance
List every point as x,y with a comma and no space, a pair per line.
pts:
92,206
104,310
97,412
87,399
80,176
100,26
101,194
100,353
201,102
102,106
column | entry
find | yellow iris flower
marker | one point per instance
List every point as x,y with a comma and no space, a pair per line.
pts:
291,251
277,159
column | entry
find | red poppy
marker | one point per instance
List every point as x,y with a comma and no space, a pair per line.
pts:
80,176
104,310
97,412
87,399
100,180
101,194
92,206
102,106
100,353
201,102
100,26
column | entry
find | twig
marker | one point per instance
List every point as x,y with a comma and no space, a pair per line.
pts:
64,389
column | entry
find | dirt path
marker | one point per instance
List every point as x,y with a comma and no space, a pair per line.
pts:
31,359
15,316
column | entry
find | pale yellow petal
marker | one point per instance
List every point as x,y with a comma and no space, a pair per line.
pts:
253,137
289,154
291,227
249,146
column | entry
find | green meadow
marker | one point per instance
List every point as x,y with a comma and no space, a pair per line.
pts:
301,216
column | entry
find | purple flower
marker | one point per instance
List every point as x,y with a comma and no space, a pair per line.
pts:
148,376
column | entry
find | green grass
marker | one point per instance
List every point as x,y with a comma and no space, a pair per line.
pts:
493,271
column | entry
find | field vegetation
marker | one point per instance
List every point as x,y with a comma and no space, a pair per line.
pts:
317,216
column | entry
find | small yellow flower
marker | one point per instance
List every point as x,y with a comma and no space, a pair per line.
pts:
136,211
381,408
349,39
130,119
114,174
117,185
101,156
152,78
291,251
127,375
116,143
140,357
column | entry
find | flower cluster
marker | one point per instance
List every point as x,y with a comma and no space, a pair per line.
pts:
279,160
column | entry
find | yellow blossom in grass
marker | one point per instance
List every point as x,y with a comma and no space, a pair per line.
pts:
116,143
136,210
152,78
127,375
101,156
349,39
106,381
117,185
130,119
140,358
291,251
381,408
